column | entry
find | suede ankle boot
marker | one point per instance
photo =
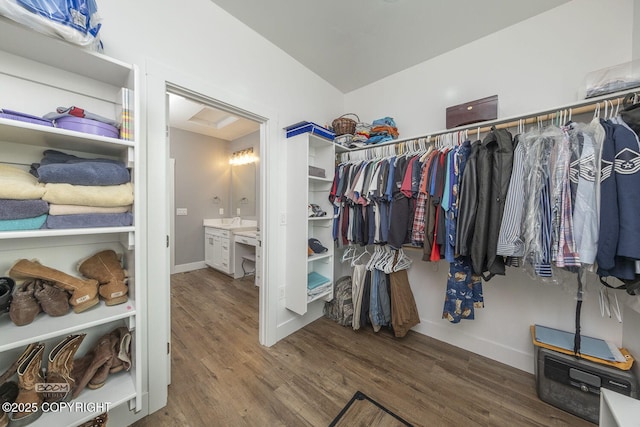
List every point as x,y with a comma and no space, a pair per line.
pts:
84,293
59,381
24,306
52,300
105,267
28,376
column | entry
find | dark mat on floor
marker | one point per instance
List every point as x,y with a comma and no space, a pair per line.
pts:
364,411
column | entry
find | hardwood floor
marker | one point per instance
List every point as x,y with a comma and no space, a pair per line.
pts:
222,376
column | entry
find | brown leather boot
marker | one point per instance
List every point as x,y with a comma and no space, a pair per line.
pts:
105,267
59,382
52,300
122,350
120,357
97,359
24,307
28,376
6,375
84,293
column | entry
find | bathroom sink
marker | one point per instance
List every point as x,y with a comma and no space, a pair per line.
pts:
233,224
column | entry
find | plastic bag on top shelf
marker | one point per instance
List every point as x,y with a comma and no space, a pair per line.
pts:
76,21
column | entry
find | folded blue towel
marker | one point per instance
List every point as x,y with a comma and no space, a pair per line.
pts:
90,220
314,280
23,224
21,209
83,173
55,156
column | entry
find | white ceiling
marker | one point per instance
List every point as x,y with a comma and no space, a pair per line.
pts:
351,43
196,117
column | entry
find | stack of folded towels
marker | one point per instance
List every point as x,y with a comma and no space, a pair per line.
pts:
84,193
21,204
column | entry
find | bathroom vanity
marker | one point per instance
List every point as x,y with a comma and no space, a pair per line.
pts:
220,241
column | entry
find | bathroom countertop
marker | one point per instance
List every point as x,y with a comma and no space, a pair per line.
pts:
232,224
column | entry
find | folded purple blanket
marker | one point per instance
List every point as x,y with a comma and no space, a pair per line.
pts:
89,220
83,173
21,209
55,156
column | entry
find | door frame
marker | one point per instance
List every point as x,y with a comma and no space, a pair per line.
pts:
161,79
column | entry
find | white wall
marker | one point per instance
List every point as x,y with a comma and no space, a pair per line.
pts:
201,171
539,63
196,38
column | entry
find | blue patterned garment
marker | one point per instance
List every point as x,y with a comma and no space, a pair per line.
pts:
464,291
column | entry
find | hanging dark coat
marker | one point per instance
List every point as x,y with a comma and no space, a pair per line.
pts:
495,161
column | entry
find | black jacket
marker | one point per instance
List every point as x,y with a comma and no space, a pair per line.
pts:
495,161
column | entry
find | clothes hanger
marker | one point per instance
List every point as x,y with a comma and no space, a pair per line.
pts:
355,259
348,254
606,306
403,262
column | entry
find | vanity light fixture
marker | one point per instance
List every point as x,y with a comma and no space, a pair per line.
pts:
242,157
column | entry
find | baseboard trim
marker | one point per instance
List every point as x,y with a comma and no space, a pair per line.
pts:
286,328
490,349
183,268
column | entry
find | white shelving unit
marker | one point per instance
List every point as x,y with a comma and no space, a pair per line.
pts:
302,189
618,410
38,74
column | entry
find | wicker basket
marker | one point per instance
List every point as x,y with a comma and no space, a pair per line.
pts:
343,125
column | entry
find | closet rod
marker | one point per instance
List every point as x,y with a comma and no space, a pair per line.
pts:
576,108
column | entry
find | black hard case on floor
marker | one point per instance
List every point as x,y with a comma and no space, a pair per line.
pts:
574,384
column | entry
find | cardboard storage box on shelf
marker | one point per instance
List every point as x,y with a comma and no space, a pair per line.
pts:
304,127
613,79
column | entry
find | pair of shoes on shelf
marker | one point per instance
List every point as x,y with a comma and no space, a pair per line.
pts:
34,387
34,296
84,293
105,267
110,355
102,269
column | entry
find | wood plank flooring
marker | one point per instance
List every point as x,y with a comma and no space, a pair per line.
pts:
222,376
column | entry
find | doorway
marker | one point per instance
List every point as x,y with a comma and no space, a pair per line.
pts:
215,154
161,80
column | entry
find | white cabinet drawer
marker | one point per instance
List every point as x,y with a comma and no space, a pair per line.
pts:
245,240
217,231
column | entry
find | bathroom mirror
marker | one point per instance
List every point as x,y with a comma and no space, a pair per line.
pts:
243,190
